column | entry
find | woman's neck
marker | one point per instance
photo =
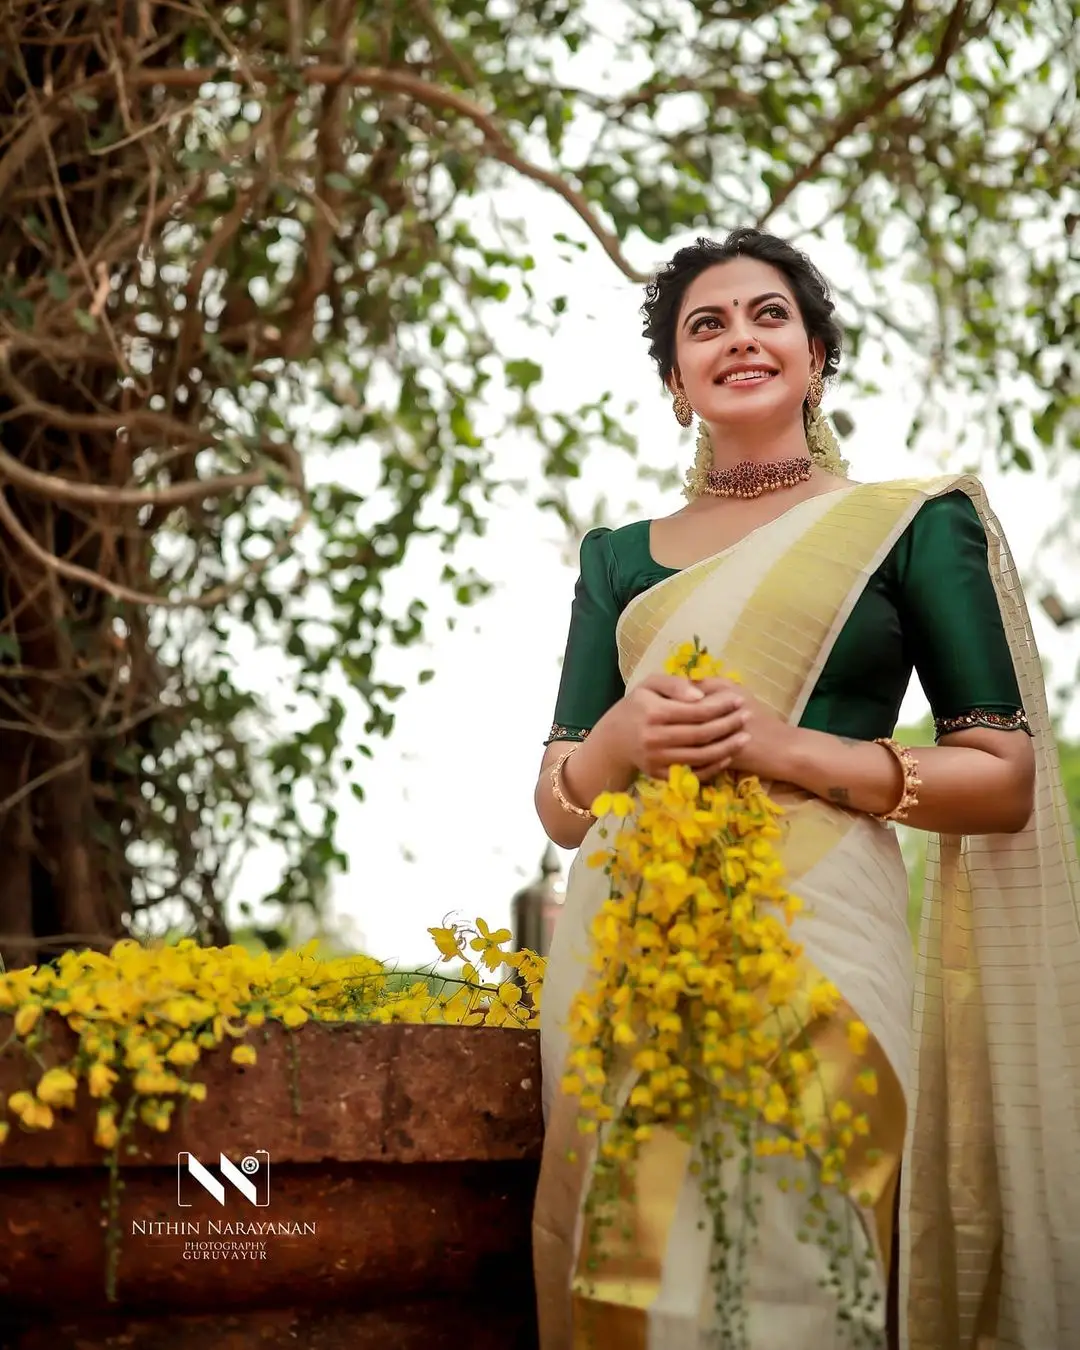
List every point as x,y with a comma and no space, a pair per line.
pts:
756,443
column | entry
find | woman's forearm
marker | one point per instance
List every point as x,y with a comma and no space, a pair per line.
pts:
964,789
598,764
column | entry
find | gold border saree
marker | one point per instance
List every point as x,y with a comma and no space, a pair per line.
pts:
977,1044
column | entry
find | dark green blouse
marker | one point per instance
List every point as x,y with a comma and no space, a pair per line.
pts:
929,607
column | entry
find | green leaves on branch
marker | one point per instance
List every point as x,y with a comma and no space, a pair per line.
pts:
314,272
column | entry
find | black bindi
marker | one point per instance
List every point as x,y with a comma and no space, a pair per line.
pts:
734,304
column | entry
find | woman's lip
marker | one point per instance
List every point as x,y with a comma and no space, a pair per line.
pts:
728,382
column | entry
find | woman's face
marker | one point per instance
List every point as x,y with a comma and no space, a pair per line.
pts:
741,351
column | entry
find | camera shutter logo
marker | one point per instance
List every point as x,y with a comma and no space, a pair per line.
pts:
251,1178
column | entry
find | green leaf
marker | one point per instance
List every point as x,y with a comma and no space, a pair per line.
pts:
523,374
58,285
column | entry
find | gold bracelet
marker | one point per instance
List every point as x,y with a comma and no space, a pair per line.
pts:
557,788
912,781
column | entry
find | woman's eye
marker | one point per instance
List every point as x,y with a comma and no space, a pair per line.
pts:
774,312
709,318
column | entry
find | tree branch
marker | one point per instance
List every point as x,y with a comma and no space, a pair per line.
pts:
33,138
422,91
97,494
843,127
83,575
65,766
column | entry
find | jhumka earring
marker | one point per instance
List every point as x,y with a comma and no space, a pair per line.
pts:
816,390
684,413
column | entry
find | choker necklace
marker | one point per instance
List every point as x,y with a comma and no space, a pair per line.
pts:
751,478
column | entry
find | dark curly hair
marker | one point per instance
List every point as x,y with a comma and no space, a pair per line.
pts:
664,294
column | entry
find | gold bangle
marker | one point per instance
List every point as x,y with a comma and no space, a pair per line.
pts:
557,788
912,781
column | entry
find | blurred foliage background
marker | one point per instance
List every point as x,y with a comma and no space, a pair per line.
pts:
913,842
240,241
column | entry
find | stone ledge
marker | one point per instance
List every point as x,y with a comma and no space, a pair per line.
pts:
400,1202
395,1093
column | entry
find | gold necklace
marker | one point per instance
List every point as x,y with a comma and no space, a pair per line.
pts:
751,478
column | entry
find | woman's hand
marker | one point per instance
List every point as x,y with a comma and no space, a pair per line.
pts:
766,745
667,720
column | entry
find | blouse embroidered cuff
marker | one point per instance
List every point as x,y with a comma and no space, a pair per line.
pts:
561,733
981,717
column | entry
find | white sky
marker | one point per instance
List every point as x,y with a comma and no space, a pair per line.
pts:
448,825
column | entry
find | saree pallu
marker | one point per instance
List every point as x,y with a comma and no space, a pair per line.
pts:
976,1042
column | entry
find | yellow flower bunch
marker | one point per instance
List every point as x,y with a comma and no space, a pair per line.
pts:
691,1019
145,1016
472,1001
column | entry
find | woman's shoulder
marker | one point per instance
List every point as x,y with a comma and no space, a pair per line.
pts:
611,555
620,542
620,560
945,500
948,487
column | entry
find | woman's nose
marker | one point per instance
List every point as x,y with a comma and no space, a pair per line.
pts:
744,342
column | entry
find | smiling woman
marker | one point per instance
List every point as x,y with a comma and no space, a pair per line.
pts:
825,596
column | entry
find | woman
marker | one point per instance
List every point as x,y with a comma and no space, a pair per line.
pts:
824,595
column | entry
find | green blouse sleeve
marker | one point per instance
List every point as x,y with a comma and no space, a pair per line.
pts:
951,620
591,682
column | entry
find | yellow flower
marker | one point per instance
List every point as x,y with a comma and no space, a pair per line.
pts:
777,1105
824,998
294,1016
448,942
37,1116
20,1102
183,1052
867,1082
156,1114
155,1080
624,1034
244,1054
26,1018
463,1008
641,1095
105,1131
619,804
858,1037
487,943
57,1087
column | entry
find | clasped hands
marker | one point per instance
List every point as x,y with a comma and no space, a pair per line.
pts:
709,725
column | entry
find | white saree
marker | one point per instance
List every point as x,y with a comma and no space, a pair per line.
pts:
977,1042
